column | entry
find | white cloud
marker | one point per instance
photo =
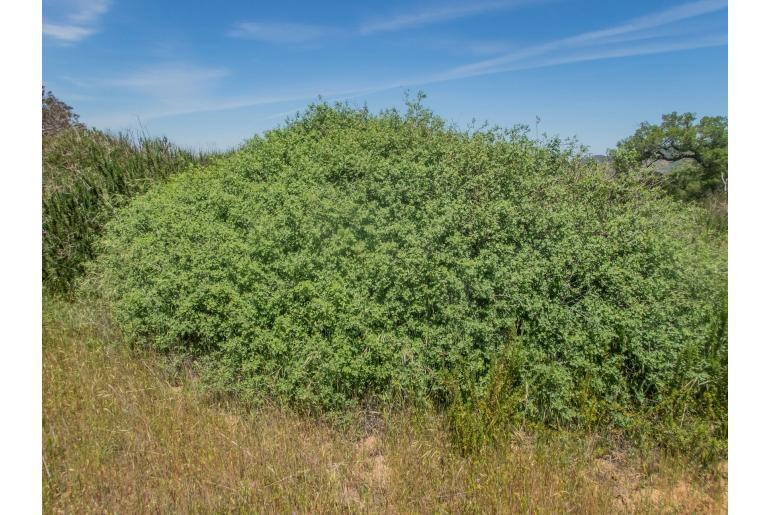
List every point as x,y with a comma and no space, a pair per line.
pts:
214,104
79,22
568,58
219,104
280,32
641,36
161,90
674,14
602,36
437,14
276,32
167,79
68,33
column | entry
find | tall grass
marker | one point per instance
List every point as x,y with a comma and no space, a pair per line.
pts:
125,434
87,175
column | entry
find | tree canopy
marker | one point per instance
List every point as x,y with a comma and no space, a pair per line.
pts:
57,116
697,148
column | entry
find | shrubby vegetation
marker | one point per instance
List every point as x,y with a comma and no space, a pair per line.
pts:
87,175
351,258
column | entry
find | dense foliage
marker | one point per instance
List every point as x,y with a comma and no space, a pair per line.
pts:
87,175
699,147
349,256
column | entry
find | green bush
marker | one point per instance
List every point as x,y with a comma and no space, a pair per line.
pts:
87,174
350,256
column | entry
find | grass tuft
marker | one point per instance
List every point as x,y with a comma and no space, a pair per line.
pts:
87,175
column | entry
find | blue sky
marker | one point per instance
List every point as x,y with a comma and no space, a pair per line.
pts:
211,74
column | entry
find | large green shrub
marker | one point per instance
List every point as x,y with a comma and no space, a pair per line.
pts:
87,174
350,256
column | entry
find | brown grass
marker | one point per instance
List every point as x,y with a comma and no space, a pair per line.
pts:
122,435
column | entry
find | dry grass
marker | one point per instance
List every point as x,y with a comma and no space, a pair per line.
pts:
122,435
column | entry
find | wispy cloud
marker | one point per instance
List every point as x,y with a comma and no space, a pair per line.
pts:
214,104
651,34
448,45
292,33
575,57
167,79
67,33
160,90
454,74
437,14
646,35
674,14
78,23
598,37
271,32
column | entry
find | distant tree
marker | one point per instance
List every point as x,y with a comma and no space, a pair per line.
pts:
57,116
700,146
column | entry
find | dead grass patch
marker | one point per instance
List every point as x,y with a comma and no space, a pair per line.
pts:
120,437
